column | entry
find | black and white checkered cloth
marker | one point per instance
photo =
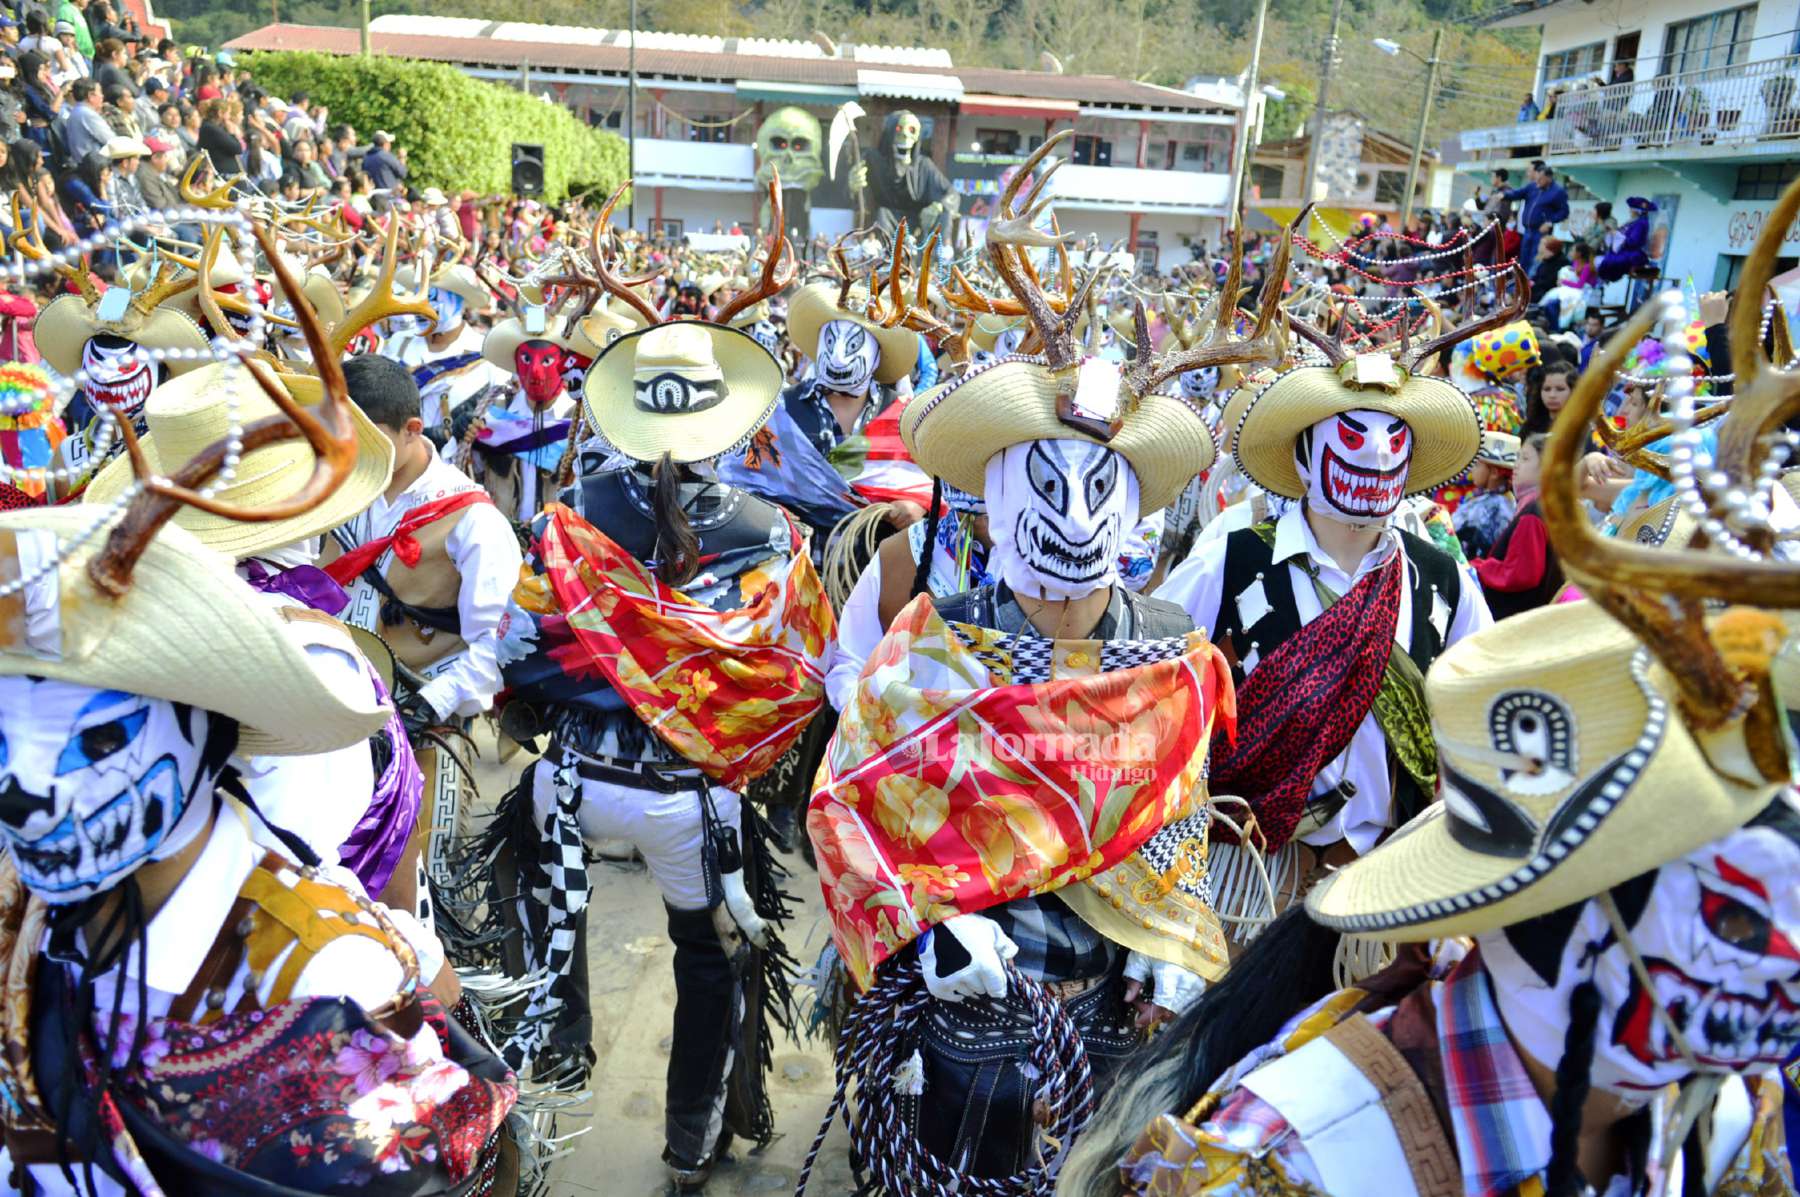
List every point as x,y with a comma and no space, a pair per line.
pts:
556,884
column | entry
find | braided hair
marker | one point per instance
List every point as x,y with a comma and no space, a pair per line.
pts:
1563,1177
922,575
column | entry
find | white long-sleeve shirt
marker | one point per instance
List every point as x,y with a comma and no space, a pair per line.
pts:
442,395
486,554
1198,584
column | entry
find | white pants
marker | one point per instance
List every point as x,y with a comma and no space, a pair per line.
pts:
666,829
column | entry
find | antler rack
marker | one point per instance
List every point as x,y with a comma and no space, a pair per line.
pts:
772,281
380,303
327,430
623,289
29,241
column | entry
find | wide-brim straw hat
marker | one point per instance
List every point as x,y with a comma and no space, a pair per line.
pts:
1499,449
64,326
1445,428
458,278
985,329
1619,785
188,630
814,306
503,340
605,324
187,414
953,432
750,379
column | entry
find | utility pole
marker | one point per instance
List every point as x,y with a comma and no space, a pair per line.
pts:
525,75
1241,166
1418,149
365,28
630,118
1327,64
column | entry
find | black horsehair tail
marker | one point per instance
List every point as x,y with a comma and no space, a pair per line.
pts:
1563,1177
922,575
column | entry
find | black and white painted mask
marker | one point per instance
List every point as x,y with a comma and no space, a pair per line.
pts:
1719,934
768,336
120,374
848,355
1197,386
1058,511
95,783
1354,465
1006,343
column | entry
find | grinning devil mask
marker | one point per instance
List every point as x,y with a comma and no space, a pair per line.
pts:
1058,512
539,365
1719,934
95,783
848,355
120,375
1354,465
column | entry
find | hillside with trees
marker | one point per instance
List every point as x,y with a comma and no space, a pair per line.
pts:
1157,41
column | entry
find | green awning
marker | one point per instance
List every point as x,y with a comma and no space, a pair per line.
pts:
822,94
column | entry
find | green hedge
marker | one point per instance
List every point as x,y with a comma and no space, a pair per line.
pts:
458,131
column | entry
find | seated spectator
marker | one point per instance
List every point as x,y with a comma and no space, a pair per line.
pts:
1522,571
120,110
305,164
125,154
1550,261
156,177
218,138
88,192
109,65
70,64
85,130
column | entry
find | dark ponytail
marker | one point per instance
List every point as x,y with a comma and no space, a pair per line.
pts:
922,575
1563,1176
677,548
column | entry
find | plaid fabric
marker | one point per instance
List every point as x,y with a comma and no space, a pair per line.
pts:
1502,1129
1054,945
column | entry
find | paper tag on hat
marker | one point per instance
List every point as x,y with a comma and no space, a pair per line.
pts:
534,320
1371,370
114,305
1089,402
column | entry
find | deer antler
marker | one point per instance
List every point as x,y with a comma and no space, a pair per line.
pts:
328,430
1266,343
380,303
213,304
29,242
771,282
1656,592
621,288
1501,315
218,199
169,281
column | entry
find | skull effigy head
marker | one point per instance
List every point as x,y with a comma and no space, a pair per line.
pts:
906,133
789,141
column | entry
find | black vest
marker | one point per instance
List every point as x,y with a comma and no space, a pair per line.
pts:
1504,603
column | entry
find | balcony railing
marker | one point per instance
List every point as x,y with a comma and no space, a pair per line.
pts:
1517,136
1734,105
703,165
1130,188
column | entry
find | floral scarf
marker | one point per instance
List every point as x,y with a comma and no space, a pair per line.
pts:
729,691
943,793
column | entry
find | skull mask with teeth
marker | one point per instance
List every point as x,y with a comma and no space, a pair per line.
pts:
95,783
1718,932
1354,465
848,355
1058,511
120,375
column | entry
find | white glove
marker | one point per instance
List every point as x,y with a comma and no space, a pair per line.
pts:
1172,987
966,956
743,910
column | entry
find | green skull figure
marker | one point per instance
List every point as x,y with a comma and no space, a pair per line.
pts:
790,141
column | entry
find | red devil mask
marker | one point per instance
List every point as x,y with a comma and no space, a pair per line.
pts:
539,365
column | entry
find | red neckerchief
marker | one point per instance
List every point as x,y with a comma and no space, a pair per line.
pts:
349,567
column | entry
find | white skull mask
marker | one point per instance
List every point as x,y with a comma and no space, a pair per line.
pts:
764,333
1719,934
1197,386
1006,343
447,307
1354,465
95,783
848,355
120,375
1058,511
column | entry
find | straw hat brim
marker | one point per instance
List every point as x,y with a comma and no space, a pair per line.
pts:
953,432
238,539
1425,881
1445,427
190,630
504,339
753,383
815,305
62,330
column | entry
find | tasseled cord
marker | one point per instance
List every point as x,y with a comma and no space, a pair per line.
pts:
922,575
1563,1177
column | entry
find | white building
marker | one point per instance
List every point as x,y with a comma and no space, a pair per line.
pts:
1150,166
1691,103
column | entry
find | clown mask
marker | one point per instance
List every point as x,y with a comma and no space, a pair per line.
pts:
120,375
1058,511
847,358
1718,932
539,365
1354,465
95,783
768,336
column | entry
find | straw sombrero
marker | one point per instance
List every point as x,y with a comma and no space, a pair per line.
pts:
187,630
954,431
64,326
1613,784
605,324
985,329
458,278
187,414
504,339
1446,431
687,388
815,305
1499,449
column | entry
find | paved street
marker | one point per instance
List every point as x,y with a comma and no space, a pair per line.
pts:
633,987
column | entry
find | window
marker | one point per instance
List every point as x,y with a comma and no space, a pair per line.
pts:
1269,181
1765,180
1091,151
1210,150
998,141
1719,40
1390,187
719,133
1578,63
1730,268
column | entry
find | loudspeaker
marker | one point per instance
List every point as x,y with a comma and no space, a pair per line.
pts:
527,169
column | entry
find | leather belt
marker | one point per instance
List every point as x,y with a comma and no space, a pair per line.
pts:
635,774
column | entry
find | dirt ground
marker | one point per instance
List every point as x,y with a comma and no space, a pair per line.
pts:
633,988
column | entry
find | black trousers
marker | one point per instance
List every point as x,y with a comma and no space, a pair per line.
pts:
706,1011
